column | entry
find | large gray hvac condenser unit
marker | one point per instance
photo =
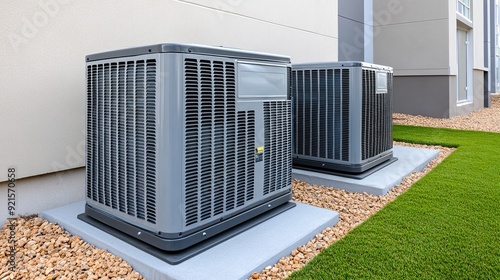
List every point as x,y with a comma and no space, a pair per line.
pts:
186,141
342,115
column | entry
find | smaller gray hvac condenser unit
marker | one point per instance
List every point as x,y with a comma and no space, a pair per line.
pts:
342,115
186,141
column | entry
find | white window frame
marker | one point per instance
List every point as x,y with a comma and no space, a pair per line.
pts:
468,73
464,8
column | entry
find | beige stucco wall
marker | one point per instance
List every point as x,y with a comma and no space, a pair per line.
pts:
39,193
44,43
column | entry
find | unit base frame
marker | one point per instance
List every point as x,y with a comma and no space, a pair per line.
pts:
183,242
358,172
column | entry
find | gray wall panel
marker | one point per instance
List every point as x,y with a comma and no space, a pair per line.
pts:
351,30
422,95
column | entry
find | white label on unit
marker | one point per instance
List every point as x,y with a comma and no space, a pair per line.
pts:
381,82
261,80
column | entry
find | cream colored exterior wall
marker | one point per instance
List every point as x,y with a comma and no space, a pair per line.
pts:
39,193
44,43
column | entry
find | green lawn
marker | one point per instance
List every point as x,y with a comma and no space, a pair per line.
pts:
446,226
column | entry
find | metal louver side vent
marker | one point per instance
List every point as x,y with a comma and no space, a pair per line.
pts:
91,114
277,147
345,114
121,142
376,116
389,109
220,142
245,157
321,104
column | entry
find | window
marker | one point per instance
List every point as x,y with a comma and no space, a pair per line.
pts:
463,8
464,67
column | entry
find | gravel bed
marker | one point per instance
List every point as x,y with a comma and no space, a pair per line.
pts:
47,251
482,120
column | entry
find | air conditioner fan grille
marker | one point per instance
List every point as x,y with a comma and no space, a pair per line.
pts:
376,126
321,106
121,142
277,148
219,142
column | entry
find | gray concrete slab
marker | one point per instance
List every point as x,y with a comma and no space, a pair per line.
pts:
409,160
235,258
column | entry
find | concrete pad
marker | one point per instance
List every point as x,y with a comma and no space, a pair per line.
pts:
379,183
235,258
